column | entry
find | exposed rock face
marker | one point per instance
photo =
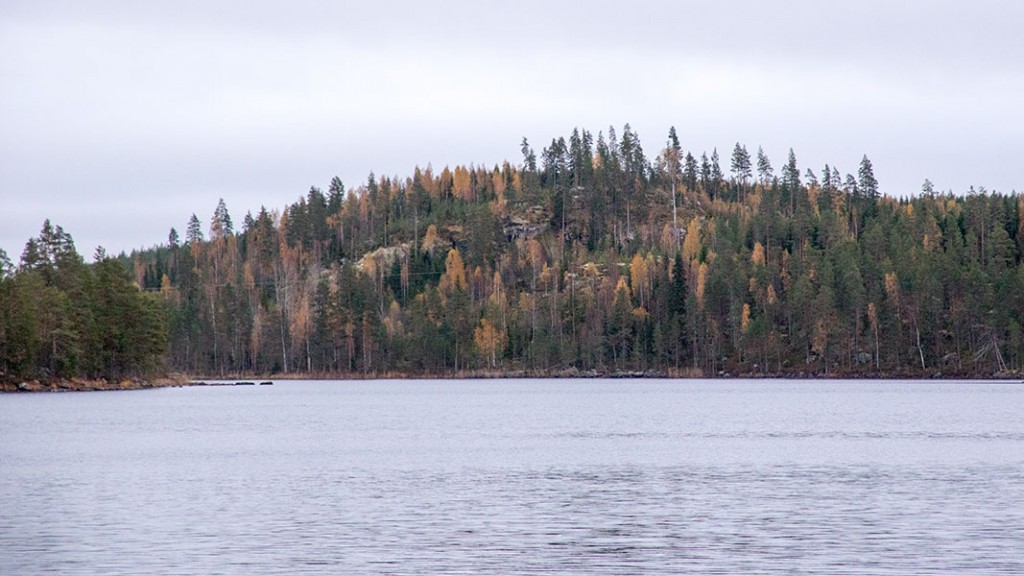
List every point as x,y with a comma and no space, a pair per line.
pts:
382,258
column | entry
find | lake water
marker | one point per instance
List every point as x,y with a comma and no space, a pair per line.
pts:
516,477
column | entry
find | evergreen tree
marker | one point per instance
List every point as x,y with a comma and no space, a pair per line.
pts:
705,174
194,232
690,172
6,268
716,172
765,173
672,160
741,168
677,297
790,173
220,223
335,196
791,181
529,158
867,185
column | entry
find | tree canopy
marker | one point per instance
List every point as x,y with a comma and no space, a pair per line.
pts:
590,257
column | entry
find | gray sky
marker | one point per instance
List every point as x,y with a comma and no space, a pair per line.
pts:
118,120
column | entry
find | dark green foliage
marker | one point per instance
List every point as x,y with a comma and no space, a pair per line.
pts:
60,318
690,172
867,185
741,167
765,172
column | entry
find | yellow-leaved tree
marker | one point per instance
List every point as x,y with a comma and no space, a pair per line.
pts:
454,273
489,340
691,242
462,184
431,240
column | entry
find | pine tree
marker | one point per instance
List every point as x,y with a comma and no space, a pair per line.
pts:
194,232
741,169
220,223
673,138
765,173
529,157
790,173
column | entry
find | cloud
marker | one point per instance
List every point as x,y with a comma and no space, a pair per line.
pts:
126,117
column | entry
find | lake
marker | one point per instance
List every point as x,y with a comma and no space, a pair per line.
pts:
516,477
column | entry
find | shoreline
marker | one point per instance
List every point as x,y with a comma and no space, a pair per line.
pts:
179,380
98,385
671,374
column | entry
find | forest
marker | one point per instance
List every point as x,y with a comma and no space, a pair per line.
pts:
589,258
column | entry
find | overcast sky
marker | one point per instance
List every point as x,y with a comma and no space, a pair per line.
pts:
118,120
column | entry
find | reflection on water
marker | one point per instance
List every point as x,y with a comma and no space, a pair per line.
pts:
591,477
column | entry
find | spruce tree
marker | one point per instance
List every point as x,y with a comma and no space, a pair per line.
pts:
220,224
194,232
690,172
716,170
867,185
678,293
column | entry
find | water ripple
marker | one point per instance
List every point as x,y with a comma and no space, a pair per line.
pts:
539,480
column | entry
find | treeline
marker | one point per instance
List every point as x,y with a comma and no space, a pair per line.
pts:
592,257
61,318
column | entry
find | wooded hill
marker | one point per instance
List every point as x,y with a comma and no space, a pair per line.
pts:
590,259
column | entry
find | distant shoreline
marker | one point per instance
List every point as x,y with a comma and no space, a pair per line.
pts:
98,385
684,374
178,381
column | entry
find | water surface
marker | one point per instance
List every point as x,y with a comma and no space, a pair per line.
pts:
516,477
